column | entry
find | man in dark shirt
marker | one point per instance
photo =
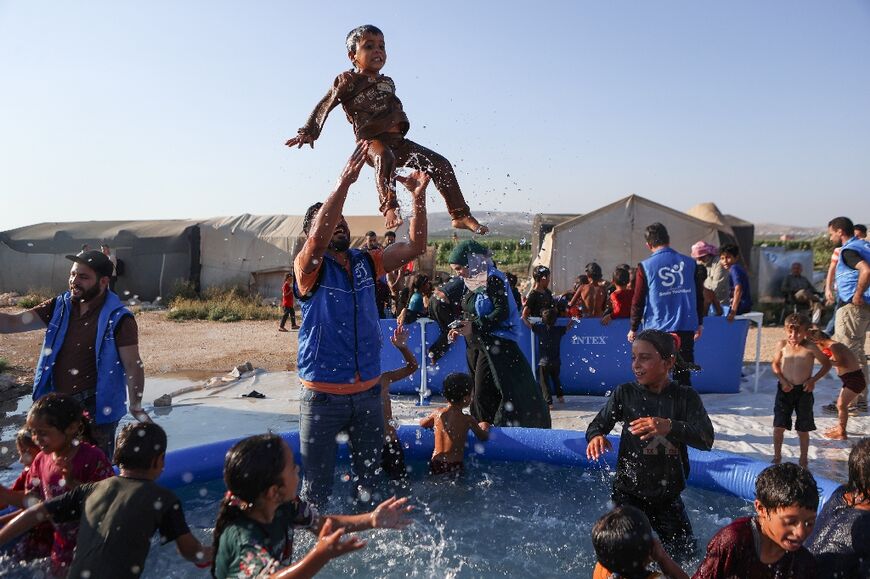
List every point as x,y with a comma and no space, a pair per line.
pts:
445,307
540,298
69,362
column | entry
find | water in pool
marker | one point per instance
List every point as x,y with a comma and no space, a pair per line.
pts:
497,520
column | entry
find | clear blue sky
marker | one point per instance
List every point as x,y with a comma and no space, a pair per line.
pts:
169,109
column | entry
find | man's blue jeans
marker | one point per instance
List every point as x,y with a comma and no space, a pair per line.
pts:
322,417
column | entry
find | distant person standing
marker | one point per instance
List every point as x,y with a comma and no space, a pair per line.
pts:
91,347
716,283
669,296
107,251
853,288
738,279
540,297
288,304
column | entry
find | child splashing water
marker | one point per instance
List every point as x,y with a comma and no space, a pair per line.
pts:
451,425
850,373
61,429
371,105
661,418
253,535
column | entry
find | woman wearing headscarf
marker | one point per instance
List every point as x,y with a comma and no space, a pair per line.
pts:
506,392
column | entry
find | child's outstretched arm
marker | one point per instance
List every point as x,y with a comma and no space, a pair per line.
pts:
330,544
191,549
23,522
480,429
390,514
399,339
309,132
429,421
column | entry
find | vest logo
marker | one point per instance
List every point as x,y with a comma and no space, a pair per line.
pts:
668,275
359,272
589,340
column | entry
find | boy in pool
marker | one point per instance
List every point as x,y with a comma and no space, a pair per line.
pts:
850,372
770,544
624,546
793,365
452,425
369,100
118,515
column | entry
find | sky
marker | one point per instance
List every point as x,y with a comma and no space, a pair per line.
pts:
164,109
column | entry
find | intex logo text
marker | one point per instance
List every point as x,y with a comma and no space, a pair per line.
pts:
589,340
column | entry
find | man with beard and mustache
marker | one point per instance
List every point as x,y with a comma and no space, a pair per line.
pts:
91,347
340,337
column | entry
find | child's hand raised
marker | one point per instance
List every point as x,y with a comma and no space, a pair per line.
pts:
390,514
300,140
330,544
399,339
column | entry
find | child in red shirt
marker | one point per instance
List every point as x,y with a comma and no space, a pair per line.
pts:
287,304
619,301
58,425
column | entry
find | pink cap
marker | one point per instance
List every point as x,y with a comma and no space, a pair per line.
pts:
703,248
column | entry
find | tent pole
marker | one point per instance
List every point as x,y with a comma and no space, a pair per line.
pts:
162,267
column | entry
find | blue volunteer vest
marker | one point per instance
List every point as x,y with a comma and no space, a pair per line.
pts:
671,300
340,335
509,328
847,278
111,377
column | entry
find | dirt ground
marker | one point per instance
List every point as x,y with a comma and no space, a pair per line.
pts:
199,348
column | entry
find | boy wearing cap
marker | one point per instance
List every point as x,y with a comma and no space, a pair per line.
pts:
540,297
88,319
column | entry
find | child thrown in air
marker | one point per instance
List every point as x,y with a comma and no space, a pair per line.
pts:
369,100
451,426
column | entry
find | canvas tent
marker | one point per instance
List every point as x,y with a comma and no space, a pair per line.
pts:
157,255
614,234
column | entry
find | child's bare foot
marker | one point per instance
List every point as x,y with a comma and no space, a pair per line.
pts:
392,219
835,433
776,460
470,223
804,462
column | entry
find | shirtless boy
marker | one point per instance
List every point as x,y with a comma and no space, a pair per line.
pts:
793,365
369,100
452,425
850,372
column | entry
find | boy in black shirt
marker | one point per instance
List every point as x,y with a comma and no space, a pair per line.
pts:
119,515
550,353
540,297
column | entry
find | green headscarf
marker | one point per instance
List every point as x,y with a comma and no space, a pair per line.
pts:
460,253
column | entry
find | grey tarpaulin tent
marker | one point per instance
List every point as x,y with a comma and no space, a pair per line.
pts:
221,251
614,234
156,254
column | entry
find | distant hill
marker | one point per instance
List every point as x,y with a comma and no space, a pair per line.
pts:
775,230
507,224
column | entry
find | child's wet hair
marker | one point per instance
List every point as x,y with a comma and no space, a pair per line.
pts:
593,270
731,249
354,35
24,439
859,470
457,385
623,541
139,445
666,345
549,315
60,411
797,319
786,485
620,276
251,467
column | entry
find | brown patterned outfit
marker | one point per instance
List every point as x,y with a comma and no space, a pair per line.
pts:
374,110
